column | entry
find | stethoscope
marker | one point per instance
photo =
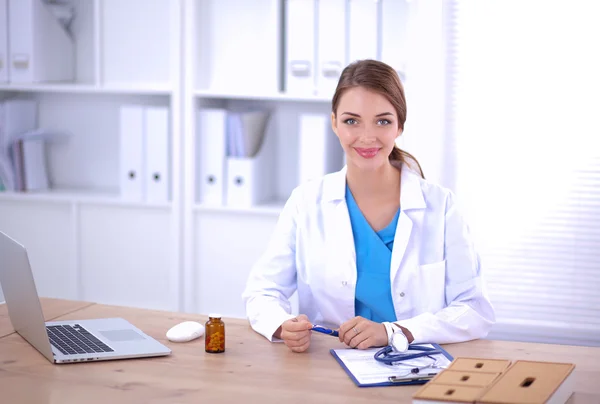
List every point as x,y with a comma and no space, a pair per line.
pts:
398,350
390,356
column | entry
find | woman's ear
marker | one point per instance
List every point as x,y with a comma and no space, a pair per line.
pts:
400,131
333,123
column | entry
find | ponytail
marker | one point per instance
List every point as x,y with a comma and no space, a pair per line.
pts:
404,157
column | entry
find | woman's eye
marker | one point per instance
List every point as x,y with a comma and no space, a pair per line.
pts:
350,121
383,122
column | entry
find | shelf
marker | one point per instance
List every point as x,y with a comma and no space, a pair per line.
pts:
74,88
78,196
263,97
273,208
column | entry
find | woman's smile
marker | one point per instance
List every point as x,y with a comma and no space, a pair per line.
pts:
367,152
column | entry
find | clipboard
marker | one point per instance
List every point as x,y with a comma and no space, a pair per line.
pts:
371,373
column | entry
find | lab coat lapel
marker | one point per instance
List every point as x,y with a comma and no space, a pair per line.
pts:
339,228
411,202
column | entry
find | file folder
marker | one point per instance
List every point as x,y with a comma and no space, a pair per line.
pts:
212,143
319,151
300,46
395,22
16,150
41,50
34,165
157,178
362,30
4,41
131,170
331,54
251,173
16,118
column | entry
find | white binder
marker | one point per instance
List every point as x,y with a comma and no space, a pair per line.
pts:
4,41
331,53
362,30
157,175
300,52
395,19
319,149
131,169
41,50
212,138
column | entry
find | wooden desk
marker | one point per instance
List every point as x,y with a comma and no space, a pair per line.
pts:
252,370
52,309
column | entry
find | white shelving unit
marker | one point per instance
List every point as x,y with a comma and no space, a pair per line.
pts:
279,97
243,71
85,240
85,89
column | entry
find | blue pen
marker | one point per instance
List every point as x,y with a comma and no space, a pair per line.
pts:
324,330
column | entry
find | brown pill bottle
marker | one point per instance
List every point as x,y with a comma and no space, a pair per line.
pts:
214,340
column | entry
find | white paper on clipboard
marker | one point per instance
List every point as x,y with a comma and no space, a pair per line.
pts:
366,371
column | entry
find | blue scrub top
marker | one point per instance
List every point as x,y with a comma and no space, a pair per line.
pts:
373,256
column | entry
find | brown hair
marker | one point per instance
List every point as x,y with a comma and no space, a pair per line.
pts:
380,77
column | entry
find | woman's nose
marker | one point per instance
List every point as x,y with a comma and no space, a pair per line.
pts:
367,136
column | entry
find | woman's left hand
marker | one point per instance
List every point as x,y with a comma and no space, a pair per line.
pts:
362,333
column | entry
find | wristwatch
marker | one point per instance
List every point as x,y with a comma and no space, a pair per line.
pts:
396,338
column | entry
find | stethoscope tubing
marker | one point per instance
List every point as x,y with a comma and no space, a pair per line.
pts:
384,356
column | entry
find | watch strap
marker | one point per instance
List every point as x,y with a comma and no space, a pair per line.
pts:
390,329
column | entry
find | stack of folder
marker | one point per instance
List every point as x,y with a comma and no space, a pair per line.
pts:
238,154
235,157
22,148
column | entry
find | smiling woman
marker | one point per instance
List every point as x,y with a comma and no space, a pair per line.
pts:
374,251
376,88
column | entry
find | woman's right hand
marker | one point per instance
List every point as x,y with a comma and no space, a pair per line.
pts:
296,333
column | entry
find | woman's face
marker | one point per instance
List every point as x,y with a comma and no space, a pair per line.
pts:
367,127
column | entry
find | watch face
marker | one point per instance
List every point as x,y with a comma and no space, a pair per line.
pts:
399,342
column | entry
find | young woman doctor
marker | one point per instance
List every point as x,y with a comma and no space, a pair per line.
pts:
374,249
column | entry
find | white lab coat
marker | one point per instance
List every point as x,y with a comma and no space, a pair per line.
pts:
435,272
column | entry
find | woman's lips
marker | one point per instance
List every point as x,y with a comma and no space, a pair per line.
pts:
367,153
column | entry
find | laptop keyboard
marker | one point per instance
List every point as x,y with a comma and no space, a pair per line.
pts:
74,340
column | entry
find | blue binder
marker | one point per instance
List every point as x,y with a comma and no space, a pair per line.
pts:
415,381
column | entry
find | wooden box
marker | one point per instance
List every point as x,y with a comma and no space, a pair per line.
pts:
532,383
496,381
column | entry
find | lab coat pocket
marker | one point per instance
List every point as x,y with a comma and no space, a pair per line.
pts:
433,281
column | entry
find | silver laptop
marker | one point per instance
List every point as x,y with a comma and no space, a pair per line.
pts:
65,341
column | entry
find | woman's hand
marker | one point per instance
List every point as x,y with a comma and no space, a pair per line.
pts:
296,333
362,333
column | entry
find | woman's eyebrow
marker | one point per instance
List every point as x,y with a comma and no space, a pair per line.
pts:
358,116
